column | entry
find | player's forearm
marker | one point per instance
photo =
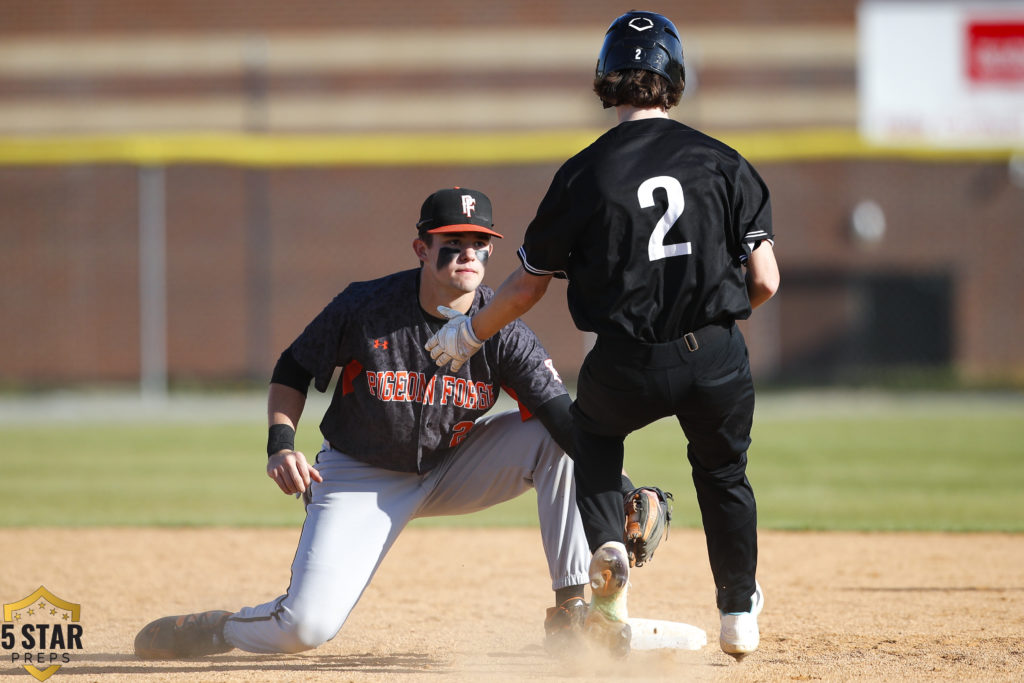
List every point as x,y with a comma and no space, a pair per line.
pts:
557,419
762,276
516,295
758,292
284,408
285,405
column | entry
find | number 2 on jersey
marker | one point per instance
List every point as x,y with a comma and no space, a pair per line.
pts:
656,247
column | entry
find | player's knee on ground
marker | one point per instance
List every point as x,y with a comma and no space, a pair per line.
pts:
315,631
307,633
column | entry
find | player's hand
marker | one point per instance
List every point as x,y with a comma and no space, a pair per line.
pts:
291,471
455,342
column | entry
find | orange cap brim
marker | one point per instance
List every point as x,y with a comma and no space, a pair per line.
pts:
465,227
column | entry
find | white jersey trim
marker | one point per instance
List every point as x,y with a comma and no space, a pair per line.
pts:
536,271
753,243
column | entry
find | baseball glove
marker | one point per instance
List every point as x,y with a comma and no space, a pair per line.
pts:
648,514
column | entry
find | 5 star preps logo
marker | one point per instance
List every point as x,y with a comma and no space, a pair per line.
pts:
40,632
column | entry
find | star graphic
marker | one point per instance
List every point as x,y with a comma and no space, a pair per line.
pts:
53,610
42,604
17,616
66,616
31,611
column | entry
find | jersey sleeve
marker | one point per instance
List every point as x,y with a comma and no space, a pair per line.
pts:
552,232
526,367
319,348
752,210
290,373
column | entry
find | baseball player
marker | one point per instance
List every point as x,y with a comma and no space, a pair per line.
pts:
665,237
404,440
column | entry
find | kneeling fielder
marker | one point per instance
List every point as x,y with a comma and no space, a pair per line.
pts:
403,440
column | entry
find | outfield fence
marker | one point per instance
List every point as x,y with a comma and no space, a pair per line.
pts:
195,257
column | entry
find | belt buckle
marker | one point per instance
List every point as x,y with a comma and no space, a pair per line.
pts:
691,342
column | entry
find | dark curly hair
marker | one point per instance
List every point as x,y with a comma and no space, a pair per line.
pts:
637,88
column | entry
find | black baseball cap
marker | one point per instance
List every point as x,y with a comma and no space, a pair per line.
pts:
457,209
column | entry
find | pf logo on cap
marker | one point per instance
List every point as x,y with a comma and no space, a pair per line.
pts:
468,205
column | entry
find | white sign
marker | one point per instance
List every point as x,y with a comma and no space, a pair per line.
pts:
941,73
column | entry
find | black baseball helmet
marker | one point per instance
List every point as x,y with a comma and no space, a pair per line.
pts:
642,40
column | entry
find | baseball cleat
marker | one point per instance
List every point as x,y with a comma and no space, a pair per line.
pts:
563,626
740,635
607,624
182,637
609,571
610,635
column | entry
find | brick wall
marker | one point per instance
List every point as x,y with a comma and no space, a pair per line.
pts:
23,17
69,258
69,266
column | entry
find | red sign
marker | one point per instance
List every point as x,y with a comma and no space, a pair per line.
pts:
995,52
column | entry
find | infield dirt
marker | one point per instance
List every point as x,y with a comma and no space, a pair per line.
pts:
468,604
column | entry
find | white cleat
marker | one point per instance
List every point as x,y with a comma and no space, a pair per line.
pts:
740,635
607,624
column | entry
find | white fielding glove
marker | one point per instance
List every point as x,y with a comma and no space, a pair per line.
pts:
455,342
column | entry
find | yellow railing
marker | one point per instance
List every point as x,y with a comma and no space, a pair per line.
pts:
398,149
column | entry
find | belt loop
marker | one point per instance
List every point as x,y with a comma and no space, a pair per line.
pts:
691,342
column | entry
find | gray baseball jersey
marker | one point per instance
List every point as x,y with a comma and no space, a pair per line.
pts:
392,408
404,443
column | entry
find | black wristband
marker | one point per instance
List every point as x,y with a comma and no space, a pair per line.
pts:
282,437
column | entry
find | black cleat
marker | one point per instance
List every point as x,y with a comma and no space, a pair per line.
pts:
183,637
563,627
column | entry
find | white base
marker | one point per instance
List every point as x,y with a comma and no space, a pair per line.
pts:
657,634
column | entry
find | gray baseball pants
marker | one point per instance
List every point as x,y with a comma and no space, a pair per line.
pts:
357,513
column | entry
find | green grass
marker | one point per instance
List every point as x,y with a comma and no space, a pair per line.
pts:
901,466
140,474
889,473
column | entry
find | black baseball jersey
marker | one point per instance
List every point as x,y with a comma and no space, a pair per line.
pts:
392,407
651,224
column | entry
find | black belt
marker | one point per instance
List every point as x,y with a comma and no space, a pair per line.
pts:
665,353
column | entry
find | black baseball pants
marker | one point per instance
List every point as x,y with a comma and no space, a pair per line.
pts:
625,385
